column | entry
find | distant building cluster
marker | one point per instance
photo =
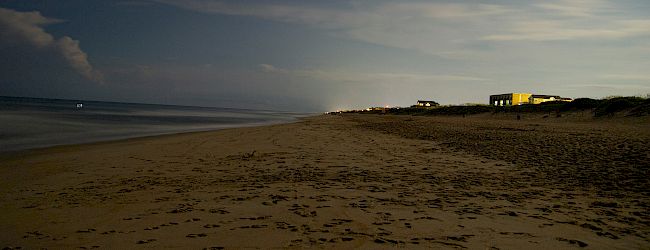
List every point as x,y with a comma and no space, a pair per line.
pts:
426,104
512,99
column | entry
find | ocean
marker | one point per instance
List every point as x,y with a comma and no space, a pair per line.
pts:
27,123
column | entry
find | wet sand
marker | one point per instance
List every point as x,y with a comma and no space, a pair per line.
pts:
351,181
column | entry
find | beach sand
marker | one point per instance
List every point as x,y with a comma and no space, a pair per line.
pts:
341,181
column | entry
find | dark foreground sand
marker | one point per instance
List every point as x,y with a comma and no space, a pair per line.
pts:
352,181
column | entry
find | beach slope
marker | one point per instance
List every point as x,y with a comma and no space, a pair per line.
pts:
351,181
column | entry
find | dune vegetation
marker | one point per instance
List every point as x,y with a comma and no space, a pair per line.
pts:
606,107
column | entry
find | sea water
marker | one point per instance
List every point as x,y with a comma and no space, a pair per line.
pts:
27,123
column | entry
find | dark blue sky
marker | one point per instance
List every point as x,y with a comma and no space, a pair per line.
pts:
326,55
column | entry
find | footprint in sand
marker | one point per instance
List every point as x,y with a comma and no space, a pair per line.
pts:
145,241
573,242
196,235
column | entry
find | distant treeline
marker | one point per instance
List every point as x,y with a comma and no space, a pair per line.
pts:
628,106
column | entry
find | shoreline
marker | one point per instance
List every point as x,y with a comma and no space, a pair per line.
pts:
350,181
29,151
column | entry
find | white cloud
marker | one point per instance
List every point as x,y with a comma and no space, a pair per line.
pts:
632,87
278,12
444,28
370,77
571,20
441,10
641,77
26,28
78,59
566,10
560,30
340,17
268,68
574,8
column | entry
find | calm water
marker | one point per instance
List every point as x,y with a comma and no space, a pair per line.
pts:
35,122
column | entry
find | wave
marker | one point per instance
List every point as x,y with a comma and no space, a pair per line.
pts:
27,123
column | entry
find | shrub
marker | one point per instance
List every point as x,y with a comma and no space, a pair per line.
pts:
617,104
637,106
642,109
460,110
581,104
531,108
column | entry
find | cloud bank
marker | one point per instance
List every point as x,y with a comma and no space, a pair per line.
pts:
328,54
414,25
537,46
26,29
368,77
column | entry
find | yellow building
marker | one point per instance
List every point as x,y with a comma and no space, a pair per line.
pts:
510,99
537,99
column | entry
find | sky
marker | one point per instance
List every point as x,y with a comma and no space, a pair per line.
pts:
322,55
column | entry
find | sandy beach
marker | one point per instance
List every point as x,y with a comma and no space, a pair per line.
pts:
341,181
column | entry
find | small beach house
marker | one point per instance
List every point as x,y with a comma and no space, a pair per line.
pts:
426,104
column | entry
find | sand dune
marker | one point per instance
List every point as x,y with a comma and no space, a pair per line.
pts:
352,181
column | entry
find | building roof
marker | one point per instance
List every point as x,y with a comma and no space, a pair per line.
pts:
546,96
511,94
